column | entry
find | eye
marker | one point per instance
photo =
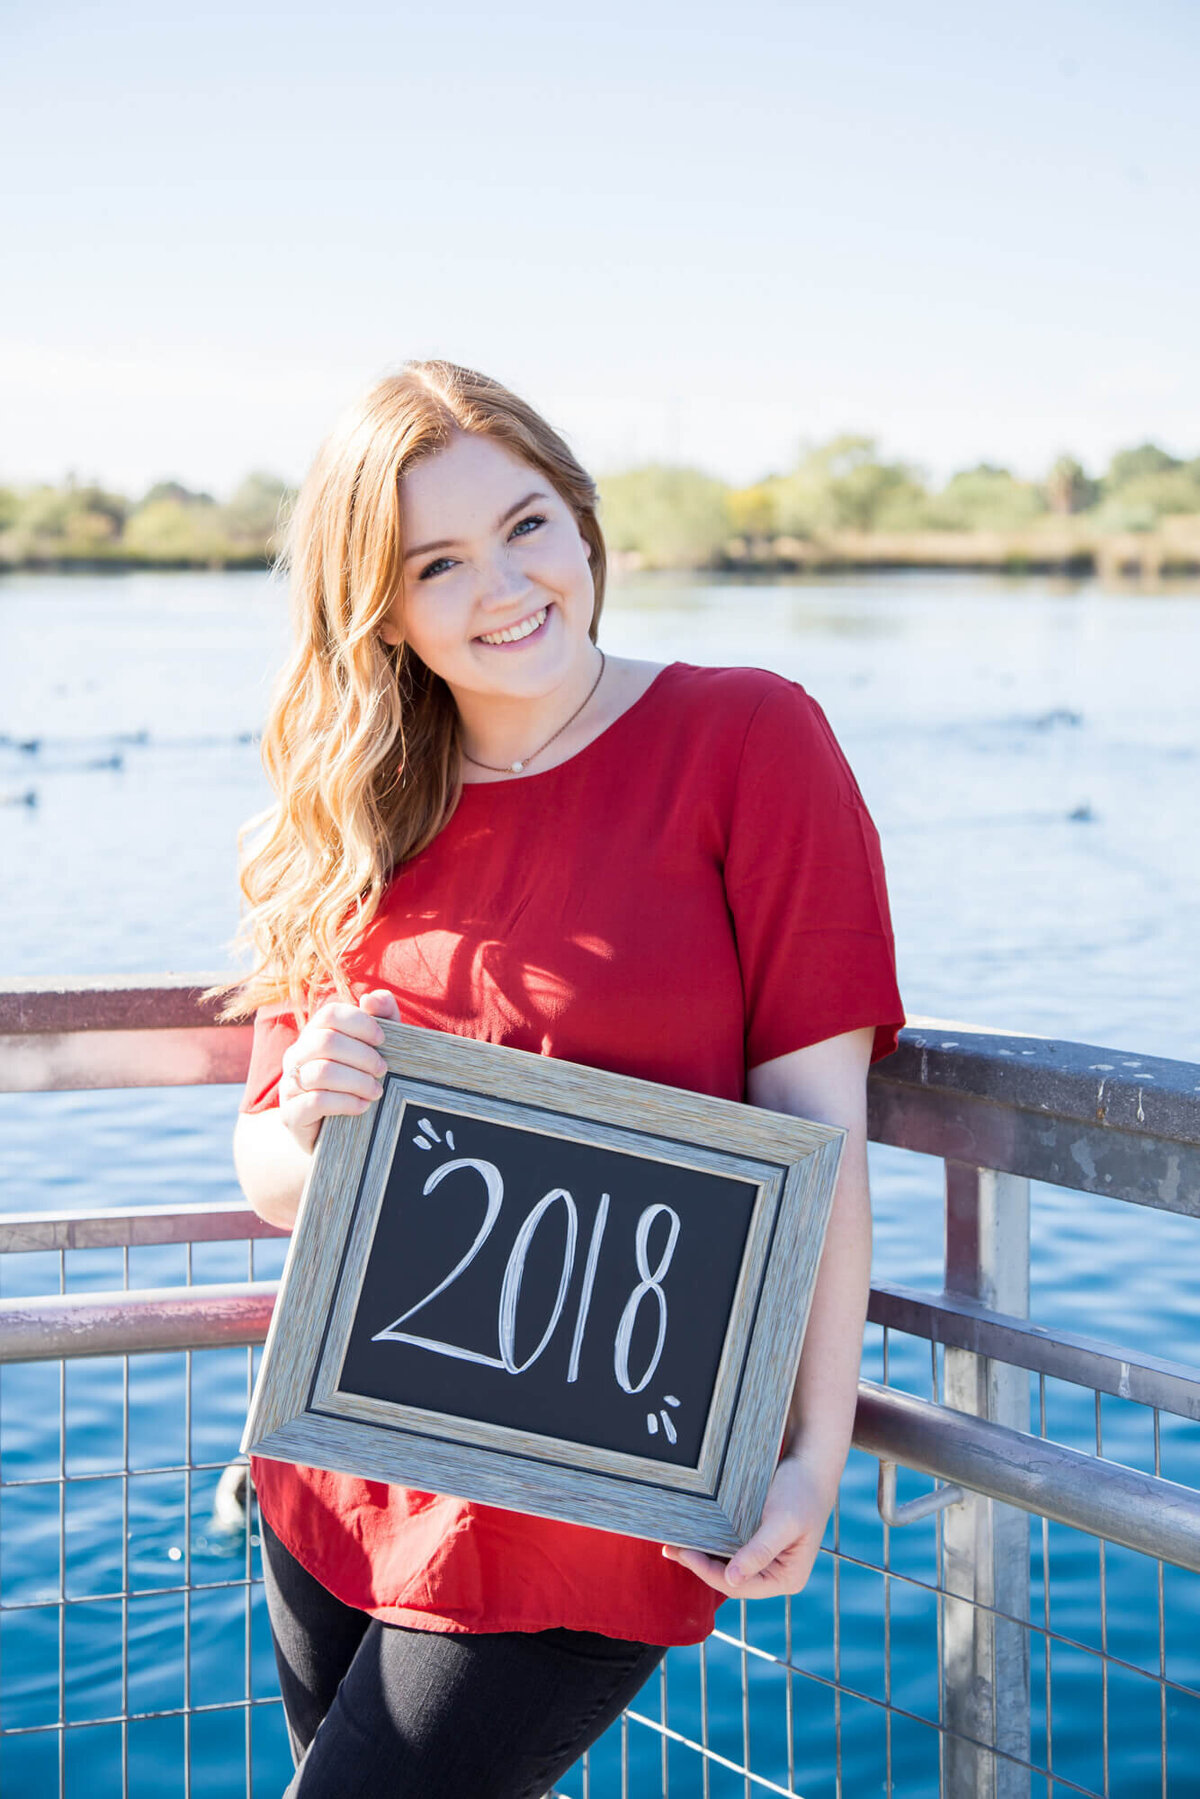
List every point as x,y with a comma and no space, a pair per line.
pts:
435,567
524,526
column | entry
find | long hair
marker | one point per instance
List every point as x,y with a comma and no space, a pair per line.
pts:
361,741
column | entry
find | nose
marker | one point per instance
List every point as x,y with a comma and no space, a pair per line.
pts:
503,583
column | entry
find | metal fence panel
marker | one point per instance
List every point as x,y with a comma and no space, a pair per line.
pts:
985,1646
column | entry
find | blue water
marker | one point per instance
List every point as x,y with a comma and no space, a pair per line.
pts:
1031,754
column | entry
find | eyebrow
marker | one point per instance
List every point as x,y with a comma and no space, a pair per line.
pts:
450,543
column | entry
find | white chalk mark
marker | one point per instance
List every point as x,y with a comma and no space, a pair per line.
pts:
668,1427
670,1399
422,1143
449,1139
652,1424
589,1281
494,1184
429,1130
510,1291
649,1283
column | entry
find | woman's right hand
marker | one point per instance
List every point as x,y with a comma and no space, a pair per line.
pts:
335,1064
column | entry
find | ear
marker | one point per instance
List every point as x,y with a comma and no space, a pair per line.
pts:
389,630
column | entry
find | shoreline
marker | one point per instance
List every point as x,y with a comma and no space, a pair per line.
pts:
1171,550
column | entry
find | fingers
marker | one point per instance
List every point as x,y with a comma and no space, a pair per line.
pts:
313,1088
784,1568
715,1574
768,1542
335,1064
381,1003
352,1020
707,1567
333,1060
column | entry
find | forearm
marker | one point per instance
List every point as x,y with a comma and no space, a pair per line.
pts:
821,1416
271,1166
827,1083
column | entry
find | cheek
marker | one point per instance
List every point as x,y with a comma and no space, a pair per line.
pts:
426,627
567,571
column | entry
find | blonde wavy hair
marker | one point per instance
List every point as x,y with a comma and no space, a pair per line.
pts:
361,741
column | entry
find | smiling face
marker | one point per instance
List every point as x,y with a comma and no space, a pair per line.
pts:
497,593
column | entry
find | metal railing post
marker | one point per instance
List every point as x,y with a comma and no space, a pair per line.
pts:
985,1545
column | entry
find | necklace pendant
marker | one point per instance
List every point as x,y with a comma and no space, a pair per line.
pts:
515,768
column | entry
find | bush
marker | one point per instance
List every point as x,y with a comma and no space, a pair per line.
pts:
672,517
169,530
258,509
985,498
843,486
1152,495
1132,465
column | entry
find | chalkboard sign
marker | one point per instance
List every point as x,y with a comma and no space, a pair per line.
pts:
549,1288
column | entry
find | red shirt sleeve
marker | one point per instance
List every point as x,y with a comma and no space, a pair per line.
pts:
805,882
274,1031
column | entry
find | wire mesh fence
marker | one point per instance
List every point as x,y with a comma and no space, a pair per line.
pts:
134,1651
135,1656
133,1636
777,1702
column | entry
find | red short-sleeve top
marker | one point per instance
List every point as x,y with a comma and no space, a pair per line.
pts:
698,890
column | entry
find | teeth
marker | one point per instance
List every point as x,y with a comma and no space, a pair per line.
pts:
515,633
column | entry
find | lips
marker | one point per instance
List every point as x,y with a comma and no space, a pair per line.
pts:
524,627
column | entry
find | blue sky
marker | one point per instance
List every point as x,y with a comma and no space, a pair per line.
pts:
683,230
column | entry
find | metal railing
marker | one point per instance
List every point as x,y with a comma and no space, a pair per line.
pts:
783,1702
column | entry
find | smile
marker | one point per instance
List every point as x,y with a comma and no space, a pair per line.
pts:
515,633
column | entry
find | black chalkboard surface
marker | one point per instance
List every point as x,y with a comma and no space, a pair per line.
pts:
551,1288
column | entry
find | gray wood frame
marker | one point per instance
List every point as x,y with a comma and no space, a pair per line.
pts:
299,1413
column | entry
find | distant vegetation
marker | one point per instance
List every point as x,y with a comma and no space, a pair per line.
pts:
169,527
842,503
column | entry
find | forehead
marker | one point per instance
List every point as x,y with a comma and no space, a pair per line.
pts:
467,484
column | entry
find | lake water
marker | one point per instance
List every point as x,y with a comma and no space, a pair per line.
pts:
1031,754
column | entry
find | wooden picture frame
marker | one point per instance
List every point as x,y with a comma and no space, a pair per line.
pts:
702,1476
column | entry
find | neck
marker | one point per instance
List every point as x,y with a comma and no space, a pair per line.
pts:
500,729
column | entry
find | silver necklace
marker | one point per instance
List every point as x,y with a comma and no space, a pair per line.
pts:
514,768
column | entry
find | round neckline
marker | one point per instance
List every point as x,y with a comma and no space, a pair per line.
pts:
600,738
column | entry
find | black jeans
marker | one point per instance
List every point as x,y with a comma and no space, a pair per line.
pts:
376,1711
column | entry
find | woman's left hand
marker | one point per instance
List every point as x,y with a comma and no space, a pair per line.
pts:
779,1556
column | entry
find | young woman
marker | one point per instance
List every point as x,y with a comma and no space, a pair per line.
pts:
484,825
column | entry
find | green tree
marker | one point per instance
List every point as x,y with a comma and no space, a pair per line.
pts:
753,510
173,531
1139,502
258,508
985,498
843,485
673,517
1069,488
44,511
1133,465
68,520
175,490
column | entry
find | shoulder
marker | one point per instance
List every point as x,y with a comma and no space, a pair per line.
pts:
728,697
767,734
751,711
735,690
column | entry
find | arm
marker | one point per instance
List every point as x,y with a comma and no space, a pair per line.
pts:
825,1082
271,1166
334,1065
